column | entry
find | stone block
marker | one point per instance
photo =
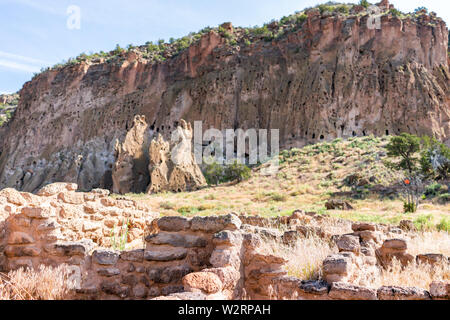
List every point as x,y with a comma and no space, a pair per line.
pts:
168,254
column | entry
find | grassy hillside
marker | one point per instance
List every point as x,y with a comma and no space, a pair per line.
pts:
352,170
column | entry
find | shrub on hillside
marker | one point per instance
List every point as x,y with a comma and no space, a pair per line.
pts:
302,18
434,190
237,171
444,198
435,159
406,147
395,12
216,173
444,225
364,3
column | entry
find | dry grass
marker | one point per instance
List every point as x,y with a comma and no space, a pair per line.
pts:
333,226
304,259
430,242
46,283
306,180
414,275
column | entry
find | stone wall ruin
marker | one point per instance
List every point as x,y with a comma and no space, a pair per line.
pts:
215,257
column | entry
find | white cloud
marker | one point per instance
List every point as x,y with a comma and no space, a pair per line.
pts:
21,63
22,58
18,66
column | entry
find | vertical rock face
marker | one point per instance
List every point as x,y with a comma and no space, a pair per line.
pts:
331,77
130,173
158,167
172,165
164,166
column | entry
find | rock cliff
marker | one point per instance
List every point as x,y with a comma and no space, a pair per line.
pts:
328,75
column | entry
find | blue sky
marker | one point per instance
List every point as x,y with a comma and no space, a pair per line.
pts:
34,33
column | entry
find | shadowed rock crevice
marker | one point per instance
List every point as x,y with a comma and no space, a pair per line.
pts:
333,76
157,166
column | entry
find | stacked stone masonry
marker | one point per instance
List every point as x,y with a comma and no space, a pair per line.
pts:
200,258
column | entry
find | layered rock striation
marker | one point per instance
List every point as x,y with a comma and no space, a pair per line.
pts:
332,76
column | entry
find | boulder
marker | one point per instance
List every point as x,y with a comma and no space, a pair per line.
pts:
140,291
213,224
402,293
348,243
133,256
393,248
314,287
167,254
105,257
177,240
431,258
227,238
407,225
206,282
229,276
174,224
346,291
338,205
395,244
43,212
22,251
225,257
337,267
20,238
440,290
69,248
56,188
363,226
290,237
108,272
13,196
71,197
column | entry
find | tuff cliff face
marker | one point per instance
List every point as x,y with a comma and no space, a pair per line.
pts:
332,77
